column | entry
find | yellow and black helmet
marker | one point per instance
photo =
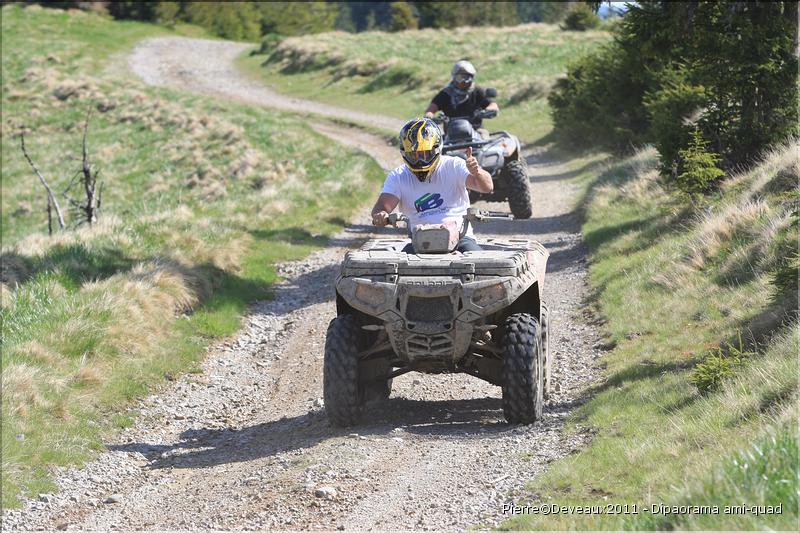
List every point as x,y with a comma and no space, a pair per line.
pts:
421,146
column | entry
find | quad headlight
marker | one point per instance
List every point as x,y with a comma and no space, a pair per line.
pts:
370,294
488,295
509,146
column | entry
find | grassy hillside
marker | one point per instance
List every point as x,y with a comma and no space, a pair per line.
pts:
699,401
200,199
397,74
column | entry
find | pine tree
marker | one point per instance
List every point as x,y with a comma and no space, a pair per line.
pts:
698,166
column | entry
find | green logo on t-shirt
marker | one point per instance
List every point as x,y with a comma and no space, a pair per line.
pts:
428,201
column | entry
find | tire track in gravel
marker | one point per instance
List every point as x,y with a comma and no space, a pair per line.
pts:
246,444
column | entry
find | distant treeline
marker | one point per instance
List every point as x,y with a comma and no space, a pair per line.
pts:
711,84
253,20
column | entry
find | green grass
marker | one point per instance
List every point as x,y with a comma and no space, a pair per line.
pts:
657,438
397,74
201,199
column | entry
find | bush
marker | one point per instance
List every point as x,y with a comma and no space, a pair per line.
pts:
735,60
237,21
592,105
717,366
672,111
580,18
268,44
401,17
167,13
296,18
697,167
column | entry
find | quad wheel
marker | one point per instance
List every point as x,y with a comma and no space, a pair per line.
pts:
523,369
347,382
518,189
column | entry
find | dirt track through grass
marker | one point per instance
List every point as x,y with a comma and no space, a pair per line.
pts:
246,444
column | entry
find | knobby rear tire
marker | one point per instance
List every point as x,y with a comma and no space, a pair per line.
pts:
518,189
523,374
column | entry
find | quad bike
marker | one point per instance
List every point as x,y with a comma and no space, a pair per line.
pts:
499,155
439,311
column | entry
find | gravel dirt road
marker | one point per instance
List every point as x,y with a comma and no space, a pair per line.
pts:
246,443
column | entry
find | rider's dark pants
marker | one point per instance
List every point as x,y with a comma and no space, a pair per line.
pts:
466,244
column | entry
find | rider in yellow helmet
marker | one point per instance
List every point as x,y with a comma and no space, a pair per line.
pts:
430,188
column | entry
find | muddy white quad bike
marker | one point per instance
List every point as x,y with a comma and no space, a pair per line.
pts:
479,313
500,156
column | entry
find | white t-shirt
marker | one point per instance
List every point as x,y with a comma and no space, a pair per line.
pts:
443,197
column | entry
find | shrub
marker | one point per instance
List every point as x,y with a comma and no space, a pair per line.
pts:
580,18
237,21
592,105
401,17
268,44
734,59
296,18
697,166
167,13
672,110
718,365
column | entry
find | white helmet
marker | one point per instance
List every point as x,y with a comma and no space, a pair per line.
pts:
463,74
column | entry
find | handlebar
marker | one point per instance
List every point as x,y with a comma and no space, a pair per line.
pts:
482,113
473,215
394,218
459,146
479,215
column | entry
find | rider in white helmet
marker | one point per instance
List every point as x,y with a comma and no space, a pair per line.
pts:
462,98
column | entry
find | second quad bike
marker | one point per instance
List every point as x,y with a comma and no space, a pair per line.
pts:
439,311
500,155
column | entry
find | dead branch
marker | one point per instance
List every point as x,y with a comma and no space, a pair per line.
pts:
49,217
51,198
73,180
89,179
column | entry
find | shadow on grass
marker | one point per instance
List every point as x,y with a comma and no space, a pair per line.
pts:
562,176
74,263
642,370
648,229
395,76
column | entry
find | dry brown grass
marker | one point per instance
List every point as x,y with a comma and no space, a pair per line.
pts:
89,374
22,386
717,228
39,353
779,170
38,244
754,215
642,188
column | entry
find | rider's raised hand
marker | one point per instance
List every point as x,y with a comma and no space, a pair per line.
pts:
472,163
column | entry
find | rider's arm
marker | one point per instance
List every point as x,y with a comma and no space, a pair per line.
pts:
492,105
385,205
481,181
432,109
